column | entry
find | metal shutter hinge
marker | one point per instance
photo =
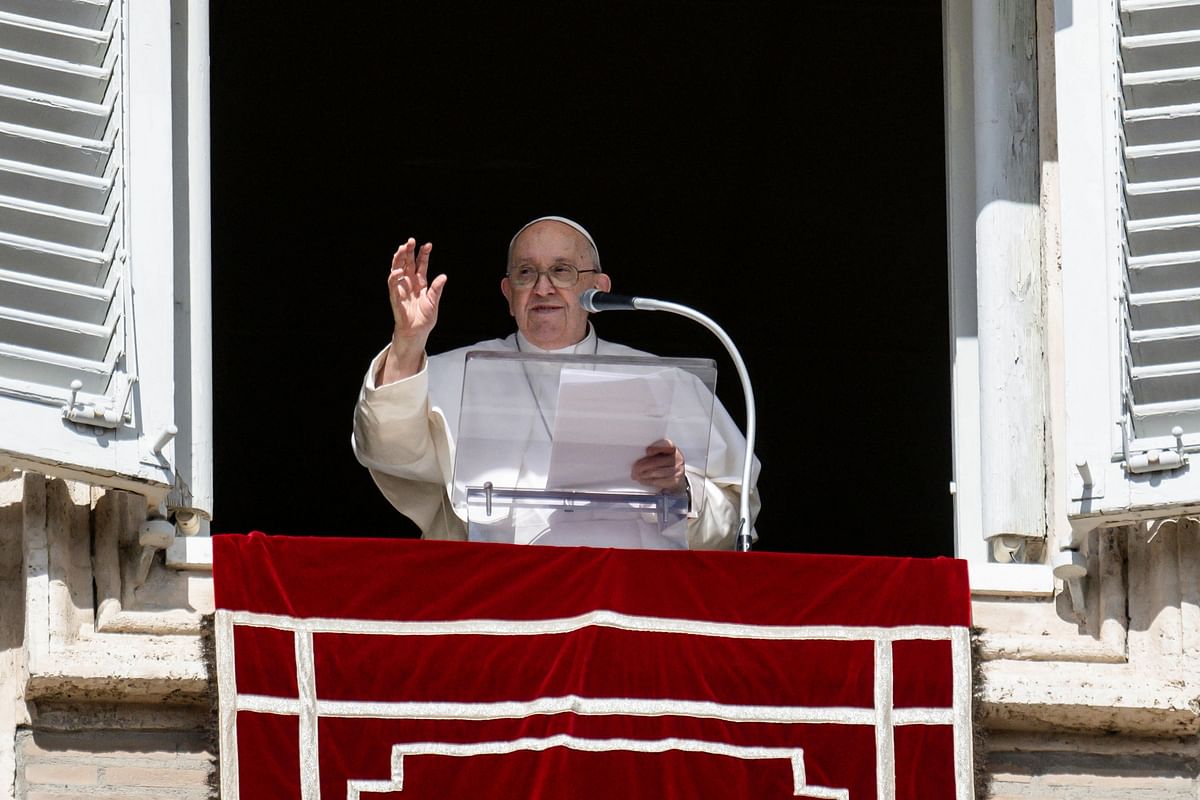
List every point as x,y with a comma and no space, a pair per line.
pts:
101,415
1153,460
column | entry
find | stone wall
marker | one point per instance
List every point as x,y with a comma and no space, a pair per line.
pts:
1104,703
1032,765
103,750
104,687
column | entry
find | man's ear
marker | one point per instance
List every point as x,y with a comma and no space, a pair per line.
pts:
603,283
506,290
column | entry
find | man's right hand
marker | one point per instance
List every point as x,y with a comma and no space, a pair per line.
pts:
414,302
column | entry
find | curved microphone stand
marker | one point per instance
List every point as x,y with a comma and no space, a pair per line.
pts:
595,300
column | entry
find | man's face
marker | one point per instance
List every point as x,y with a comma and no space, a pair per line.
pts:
551,317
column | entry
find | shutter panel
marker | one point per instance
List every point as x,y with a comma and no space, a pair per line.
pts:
62,280
1160,79
103,245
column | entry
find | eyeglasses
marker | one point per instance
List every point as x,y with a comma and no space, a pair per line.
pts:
563,276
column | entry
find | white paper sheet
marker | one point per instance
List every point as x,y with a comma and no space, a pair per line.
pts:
604,423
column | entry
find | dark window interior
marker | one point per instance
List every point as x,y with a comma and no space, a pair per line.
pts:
778,166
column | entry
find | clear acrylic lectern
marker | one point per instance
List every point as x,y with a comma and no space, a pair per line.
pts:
546,446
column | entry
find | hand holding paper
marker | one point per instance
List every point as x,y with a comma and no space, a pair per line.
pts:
661,467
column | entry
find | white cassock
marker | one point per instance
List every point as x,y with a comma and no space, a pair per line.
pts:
405,434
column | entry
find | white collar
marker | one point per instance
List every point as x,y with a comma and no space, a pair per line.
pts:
587,344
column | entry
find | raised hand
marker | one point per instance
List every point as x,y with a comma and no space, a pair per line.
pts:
661,467
414,299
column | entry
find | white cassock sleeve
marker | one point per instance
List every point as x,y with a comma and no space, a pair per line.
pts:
402,441
716,496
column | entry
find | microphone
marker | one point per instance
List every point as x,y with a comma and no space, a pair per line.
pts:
594,300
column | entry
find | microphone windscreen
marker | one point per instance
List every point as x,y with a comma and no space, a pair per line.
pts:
594,300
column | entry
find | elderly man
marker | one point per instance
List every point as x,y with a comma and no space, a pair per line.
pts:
406,418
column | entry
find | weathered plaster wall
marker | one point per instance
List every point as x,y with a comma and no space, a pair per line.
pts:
1106,704
1092,768
104,689
102,750
12,626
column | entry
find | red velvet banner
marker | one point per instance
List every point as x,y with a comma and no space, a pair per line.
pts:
366,668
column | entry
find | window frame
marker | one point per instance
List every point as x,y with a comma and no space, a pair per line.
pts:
986,577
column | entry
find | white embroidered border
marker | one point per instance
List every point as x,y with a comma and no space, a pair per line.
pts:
592,619
227,698
800,787
963,694
885,743
593,706
309,708
306,683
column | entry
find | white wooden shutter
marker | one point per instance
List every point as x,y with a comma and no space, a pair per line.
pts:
95,257
1128,96
1159,69
62,287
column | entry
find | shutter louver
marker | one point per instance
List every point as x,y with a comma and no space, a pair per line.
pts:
62,293
1160,79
